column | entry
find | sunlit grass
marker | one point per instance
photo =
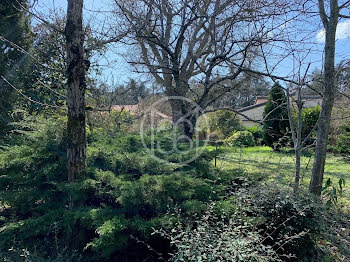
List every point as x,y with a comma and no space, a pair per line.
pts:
278,167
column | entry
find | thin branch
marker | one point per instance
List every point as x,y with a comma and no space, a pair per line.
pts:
344,16
22,50
51,25
27,97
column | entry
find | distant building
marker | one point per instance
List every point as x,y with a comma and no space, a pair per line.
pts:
133,109
150,117
251,115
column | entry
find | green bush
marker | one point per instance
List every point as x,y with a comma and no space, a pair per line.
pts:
221,123
216,136
296,220
257,132
215,237
32,172
240,139
309,120
343,143
253,224
125,192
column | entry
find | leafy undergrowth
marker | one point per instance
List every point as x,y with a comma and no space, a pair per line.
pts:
126,194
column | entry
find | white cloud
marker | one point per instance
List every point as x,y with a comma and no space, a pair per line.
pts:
343,31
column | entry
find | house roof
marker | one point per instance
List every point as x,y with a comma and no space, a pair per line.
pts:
311,97
262,100
129,108
243,109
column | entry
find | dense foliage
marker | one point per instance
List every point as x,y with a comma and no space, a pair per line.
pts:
241,138
343,143
218,236
43,78
15,41
257,132
127,194
309,118
220,124
252,224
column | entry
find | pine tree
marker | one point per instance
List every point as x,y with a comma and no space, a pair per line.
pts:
276,117
43,76
15,34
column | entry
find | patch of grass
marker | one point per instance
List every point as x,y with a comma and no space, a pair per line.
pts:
278,167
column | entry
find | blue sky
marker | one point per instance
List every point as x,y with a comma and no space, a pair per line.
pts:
121,71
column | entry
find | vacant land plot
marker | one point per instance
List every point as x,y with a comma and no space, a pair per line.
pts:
278,167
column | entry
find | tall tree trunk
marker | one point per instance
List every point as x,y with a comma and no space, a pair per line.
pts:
183,120
76,85
298,142
176,110
190,126
178,105
297,169
188,130
330,25
76,70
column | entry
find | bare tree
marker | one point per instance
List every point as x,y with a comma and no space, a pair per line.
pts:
329,22
193,47
296,125
296,136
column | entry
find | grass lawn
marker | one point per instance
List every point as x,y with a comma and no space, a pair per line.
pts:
278,167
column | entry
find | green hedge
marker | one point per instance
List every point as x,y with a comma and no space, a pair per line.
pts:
241,139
